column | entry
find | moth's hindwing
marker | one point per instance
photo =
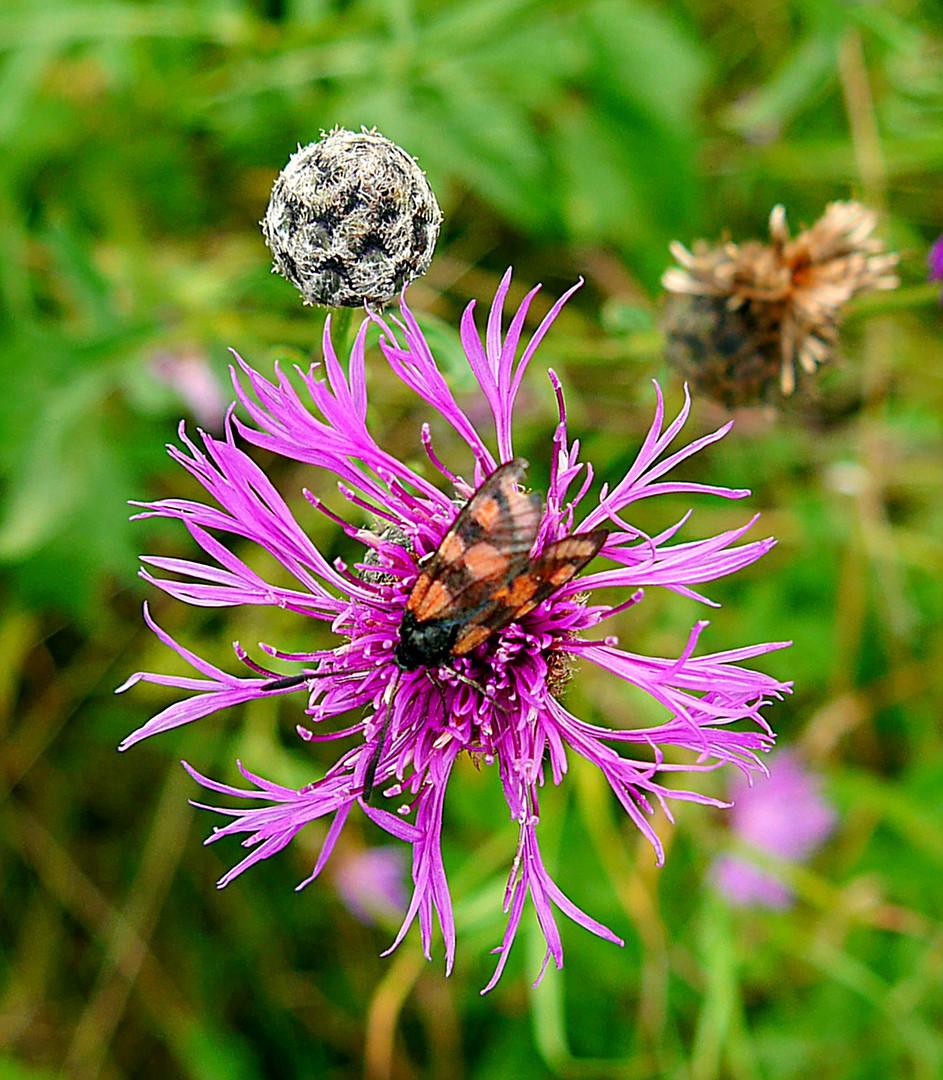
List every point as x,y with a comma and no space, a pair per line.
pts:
557,564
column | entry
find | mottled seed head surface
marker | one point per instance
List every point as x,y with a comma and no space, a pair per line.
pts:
351,220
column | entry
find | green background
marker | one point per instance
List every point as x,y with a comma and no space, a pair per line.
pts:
139,142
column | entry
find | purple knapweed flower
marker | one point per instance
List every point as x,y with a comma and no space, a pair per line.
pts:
783,814
501,702
189,373
935,263
370,883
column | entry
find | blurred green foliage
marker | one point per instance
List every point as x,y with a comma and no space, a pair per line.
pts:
140,140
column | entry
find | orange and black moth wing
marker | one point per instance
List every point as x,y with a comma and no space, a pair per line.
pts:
556,565
487,545
481,576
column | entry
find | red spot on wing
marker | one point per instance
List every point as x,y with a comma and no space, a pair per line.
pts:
434,599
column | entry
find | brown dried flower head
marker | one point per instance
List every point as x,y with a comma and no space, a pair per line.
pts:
351,220
742,319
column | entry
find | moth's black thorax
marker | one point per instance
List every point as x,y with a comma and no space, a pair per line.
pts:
425,644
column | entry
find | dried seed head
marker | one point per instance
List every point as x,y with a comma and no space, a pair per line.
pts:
351,220
743,318
725,354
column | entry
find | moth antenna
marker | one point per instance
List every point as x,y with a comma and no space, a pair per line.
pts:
438,690
369,776
287,682
468,682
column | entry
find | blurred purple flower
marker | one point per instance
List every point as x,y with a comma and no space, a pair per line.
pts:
783,814
935,263
190,375
500,702
370,883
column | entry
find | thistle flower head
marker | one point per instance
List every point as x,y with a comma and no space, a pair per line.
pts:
351,220
369,881
784,814
188,372
498,701
741,319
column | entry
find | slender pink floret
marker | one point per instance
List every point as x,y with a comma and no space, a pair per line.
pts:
499,702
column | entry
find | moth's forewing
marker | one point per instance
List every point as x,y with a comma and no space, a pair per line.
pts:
540,578
488,543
